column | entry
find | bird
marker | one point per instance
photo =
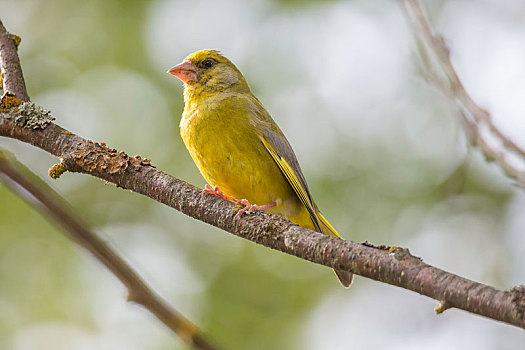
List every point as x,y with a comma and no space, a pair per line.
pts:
239,149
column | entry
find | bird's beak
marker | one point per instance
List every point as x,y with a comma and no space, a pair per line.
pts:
185,71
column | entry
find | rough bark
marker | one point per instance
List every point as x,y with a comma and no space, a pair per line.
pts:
394,266
11,71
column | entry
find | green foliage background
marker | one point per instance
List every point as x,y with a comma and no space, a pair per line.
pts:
384,154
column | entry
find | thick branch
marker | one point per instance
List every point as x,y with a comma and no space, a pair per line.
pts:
139,291
395,267
483,131
11,72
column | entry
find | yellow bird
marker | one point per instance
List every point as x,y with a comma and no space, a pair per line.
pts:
238,147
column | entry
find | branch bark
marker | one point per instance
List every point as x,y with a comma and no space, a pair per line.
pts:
394,266
11,71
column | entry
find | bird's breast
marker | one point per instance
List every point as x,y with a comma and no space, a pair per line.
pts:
229,154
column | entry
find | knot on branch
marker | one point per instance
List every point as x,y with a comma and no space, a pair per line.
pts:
16,38
518,299
382,246
57,170
401,253
442,307
96,158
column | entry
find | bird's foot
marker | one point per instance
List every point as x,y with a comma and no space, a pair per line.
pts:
250,208
216,192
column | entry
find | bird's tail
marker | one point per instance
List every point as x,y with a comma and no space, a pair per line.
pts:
345,277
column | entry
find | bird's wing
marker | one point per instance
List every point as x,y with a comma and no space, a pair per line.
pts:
283,155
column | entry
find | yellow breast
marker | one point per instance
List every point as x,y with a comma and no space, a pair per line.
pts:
224,144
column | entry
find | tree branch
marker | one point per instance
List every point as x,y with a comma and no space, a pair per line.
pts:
397,266
482,130
394,266
11,71
138,290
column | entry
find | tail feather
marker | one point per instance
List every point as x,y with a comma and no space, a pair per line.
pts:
345,277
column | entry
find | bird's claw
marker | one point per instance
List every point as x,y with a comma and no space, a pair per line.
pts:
216,192
250,208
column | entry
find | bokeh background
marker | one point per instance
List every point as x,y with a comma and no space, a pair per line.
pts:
385,155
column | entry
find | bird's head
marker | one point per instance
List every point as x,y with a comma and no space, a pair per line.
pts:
209,71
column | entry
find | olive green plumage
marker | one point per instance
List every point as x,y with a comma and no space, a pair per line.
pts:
238,147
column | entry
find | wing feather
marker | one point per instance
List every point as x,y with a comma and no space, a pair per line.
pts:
294,180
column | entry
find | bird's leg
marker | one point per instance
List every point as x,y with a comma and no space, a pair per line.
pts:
216,192
251,208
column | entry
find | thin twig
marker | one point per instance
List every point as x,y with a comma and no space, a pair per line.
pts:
436,56
138,291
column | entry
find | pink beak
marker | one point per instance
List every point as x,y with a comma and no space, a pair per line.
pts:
185,71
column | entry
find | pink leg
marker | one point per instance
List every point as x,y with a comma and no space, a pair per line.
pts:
216,192
251,208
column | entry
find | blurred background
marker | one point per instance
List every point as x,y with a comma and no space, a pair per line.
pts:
384,153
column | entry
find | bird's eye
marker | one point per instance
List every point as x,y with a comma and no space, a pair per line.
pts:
207,63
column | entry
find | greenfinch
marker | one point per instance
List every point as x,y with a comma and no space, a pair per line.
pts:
238,147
